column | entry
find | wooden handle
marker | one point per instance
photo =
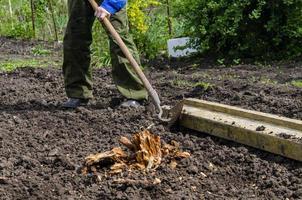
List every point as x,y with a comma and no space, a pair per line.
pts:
129,56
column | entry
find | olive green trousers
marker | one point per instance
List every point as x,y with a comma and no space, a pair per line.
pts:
76,65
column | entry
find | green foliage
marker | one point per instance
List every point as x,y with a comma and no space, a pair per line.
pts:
229,29
153,41
100,55
137,16
221,61
40,50
297,83
203,85
20,30
244,28
14,63
267,81
178,82
148,23
16,19
183,83
236,61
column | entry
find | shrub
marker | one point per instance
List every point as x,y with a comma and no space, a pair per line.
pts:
16,23
138,18
244,28
148,25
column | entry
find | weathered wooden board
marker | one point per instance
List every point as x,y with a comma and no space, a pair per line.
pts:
275,134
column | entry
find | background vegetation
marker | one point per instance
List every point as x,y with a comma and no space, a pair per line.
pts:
244,28
233,29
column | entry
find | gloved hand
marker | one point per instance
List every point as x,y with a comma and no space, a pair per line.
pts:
109,7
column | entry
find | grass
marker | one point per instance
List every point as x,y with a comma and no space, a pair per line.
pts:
204,85
12,64
228,77
262,79
297,83
266,80
182,83
185,83
40,50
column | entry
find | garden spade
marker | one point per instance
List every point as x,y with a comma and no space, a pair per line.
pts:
153,94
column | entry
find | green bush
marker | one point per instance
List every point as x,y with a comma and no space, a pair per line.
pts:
148,25
244,28
152,42
16,20
16,24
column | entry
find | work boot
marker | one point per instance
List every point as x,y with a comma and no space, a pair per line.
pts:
130,103
74,103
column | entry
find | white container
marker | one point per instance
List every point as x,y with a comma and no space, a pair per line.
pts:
175,44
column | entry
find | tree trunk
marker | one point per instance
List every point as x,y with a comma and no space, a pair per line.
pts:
169,17
32,6
11,11
53,19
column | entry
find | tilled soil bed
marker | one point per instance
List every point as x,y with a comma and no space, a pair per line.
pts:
42,145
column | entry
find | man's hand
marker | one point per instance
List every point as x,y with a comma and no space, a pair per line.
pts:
101,13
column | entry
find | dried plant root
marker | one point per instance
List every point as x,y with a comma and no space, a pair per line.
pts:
145,153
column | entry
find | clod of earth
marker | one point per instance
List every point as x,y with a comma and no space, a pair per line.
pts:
3,180
260,128
145,152
285,135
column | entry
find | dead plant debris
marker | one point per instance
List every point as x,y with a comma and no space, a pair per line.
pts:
145,152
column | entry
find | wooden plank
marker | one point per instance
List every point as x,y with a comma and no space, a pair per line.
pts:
242,126
253,115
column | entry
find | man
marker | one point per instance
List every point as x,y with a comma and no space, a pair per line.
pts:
77,41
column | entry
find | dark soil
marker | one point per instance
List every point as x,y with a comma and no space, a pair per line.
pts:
23,47
42,145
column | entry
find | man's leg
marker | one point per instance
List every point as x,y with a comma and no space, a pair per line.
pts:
77,40
124,77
